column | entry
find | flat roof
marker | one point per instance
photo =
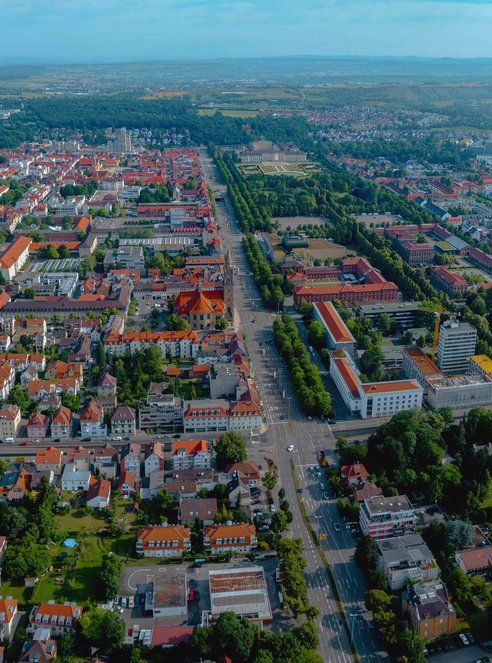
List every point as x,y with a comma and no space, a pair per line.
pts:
243,591
167,591
483,362
390,307
380,505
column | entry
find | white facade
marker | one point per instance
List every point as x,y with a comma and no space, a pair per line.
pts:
457,341
375,399
73,481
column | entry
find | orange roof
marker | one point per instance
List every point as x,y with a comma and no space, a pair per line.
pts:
422,361
59,610
196,301
172,371
8,608
91,298
152,337
38,420
223,532
159,533
191,447
336,326
348,375
14,251
62,416
476,558
92,412
37,246
63,384
49,456
101,488
4,298
360,289
386,387
453,278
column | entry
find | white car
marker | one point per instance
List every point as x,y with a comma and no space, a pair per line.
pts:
290,447
464,639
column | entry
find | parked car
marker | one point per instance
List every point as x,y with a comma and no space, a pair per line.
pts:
336,527
290,447
272,508
464,639
131,601
192,583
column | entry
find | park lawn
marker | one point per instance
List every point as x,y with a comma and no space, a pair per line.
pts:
184,389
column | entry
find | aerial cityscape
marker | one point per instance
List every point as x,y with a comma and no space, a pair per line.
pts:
245,343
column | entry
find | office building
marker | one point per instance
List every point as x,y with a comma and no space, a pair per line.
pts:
457,341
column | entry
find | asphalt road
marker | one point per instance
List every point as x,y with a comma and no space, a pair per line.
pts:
287,425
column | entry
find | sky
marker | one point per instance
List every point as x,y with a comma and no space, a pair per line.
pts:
127,30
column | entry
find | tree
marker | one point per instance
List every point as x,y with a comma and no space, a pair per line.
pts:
100,355
18,396
269,480
234,637
230,448
279,522
72,401
63,252
376,600
459,533
109,577
176,323
316,334
221,324
103,628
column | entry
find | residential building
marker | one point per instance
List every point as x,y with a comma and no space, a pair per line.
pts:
205,416
59,618
10,418
40,649
38,425
457,342
61,423
429,610
74,480
405,559
219,539
452,283
476,561
163,541
107,385
348,292
154,458
188,454
159,412
14,257
105,461
92,421
123,421
337,334
126,483
382,517
203,509
366,491
248,470
354,474
8,621
80,457
99,494
49,459
175,344
373,399
38,389
130,459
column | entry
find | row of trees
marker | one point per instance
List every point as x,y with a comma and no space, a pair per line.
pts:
308,385
269,284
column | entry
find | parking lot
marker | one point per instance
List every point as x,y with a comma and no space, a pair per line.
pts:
133,576
471,654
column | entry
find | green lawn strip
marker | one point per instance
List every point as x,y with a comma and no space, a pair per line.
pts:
324,559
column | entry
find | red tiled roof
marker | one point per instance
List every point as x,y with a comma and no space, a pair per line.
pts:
333,321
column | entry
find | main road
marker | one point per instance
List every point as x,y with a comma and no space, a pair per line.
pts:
287,425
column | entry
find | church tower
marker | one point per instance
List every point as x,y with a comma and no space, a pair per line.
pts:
228,288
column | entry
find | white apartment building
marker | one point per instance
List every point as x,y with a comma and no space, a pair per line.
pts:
374,399
382,517
457,341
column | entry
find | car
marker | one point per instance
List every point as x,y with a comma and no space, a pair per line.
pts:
336,527
464,639
470,637
141,599
86,439
253,321
116,600
321,485
326,496
264,528
256,501
192,583
255,491
124,602
272,508
332,421
131,601
290,447
119,609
